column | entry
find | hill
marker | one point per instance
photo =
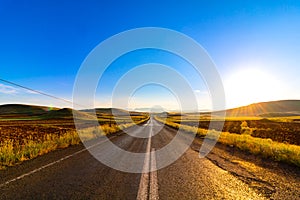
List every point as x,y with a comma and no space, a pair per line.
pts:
264,109
108,111
267,109
22,111
66,113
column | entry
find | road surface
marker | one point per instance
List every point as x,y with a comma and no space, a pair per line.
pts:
74,173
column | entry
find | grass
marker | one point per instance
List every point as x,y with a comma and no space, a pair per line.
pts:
212,117
186,128
106,129
12,152
264,147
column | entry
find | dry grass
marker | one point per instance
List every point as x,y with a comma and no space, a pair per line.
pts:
189,129
265,147
106,129
13,152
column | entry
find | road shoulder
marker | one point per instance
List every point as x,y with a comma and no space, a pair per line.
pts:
271,179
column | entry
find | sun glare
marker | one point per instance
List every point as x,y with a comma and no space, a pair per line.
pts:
251,85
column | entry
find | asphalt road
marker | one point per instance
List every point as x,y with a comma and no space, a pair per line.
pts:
74,173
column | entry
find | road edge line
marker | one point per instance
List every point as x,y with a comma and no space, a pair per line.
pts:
49,164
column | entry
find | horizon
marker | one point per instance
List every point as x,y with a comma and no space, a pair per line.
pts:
149,109
254,46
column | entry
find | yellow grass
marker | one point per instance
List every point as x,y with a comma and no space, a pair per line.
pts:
265,147
12,153
200,117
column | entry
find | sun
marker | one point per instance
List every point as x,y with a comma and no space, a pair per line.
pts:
251,85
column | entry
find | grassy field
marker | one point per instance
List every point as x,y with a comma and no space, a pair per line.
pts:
270,138
284,129
26,139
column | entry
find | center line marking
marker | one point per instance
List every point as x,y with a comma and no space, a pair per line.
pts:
144,182
148,187
153,195
50,164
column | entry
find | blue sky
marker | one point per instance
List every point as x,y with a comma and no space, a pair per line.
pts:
254,44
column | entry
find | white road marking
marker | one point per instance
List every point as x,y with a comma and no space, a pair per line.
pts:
153,195
144,182
50,164
148,183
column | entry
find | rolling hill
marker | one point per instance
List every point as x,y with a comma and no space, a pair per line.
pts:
20,111
65,113
264,109
23,111
267,109
108,111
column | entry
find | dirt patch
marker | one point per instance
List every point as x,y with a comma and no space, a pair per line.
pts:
271,179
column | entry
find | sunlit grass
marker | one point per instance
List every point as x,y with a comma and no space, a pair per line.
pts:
201,117
189,129
265,147
12,152
189,118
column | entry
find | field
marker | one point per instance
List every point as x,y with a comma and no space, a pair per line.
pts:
285,130
276,138
23,139
21,131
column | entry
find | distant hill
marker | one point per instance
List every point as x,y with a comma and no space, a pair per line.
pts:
22,111
61,113
65,113
108,111
267,109
15,111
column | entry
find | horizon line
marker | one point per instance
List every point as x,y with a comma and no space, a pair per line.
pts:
147,109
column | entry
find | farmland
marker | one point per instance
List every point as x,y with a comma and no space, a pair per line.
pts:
21,131
285,130
276,138
25,138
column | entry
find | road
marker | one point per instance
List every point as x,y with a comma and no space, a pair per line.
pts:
73,173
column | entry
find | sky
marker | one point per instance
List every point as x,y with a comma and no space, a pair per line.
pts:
255,46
